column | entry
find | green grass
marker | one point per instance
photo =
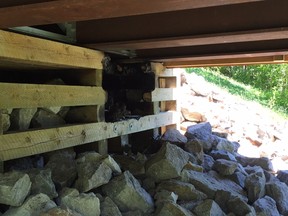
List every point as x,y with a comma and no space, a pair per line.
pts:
246,92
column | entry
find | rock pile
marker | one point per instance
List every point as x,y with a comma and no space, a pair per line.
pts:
196,174
260,132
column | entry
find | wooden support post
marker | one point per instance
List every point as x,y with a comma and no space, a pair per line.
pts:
1,132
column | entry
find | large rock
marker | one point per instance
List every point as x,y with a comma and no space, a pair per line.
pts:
208,207
63,167
282,175
263,162
109,208
60,212
195,147
85,204
174,136
240,207
167,163
189,115
222,154
14,188
208,162
5,120
128,194
224,144
164,196
33,206
203,132
42,182
46,119
92,172
225,167
171,209
128,163
21,118
255,185
279,192
266,206
210,185
185,191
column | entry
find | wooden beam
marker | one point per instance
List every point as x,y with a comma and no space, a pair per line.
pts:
161,94
229,61
74,10
16,48
35,95
40,141
198,40
1,132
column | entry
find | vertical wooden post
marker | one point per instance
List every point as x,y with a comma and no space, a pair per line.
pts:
94,78
1,132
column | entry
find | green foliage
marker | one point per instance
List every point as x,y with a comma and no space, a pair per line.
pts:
266,84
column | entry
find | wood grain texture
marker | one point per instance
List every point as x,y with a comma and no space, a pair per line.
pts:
44,53
198,40
161,94
34,95
39,141
74,10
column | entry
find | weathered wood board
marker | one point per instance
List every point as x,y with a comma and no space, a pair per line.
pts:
22,144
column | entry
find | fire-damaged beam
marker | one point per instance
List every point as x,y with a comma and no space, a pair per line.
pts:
74,10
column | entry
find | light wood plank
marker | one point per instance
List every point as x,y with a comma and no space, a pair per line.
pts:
1,132
161,94
34,95
44,53
39,141
74,10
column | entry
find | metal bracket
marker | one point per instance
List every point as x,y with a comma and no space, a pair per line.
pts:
68,29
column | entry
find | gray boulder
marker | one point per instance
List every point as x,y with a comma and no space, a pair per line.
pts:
279,192
60,212
238,178
222,154
195,147
240,207
210,184
171,209
225,167
85,204
92,173
263,162
203,132
255,185
137,168
164,196
174,136
33,206
266,206
167,163
5,120
208,207
109,208
208,162
63,167
14,188
46,119
128,194
282,175
185,191
21,118
224,144
42,182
